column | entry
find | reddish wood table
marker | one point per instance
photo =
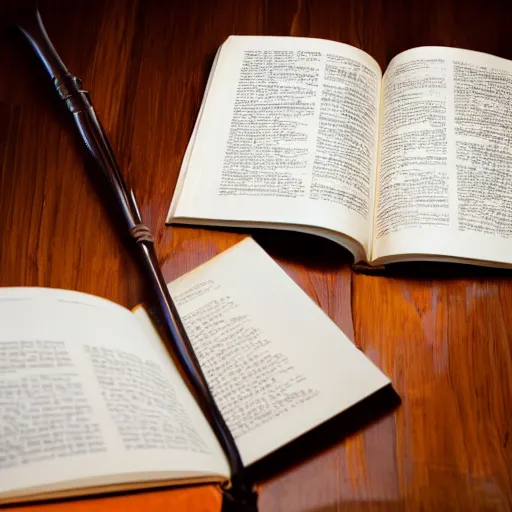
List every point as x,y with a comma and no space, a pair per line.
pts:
443,334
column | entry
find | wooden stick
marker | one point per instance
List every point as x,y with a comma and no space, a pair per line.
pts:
69,87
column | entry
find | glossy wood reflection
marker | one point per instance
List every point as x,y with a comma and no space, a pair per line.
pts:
444,338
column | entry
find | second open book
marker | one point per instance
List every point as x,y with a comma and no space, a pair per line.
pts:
92,402
307,134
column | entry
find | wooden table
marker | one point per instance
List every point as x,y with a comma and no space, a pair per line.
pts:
443,334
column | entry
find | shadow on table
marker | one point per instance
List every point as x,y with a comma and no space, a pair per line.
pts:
317,253
329,434
308,250
436,270
312,251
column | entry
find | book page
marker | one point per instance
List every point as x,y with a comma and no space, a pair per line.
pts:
86,402
276,364
287,134
445,168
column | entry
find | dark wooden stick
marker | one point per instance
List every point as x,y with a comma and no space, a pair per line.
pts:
77,100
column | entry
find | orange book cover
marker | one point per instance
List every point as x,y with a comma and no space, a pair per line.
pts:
202,498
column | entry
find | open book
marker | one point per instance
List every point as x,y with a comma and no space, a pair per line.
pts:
306,134
90,400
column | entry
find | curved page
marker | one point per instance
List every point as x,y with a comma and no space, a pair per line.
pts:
286,135
86,401
276,364
445,171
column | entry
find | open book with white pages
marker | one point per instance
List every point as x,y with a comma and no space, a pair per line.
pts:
91,401
309,135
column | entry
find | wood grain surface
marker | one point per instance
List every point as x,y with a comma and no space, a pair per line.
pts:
442,333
